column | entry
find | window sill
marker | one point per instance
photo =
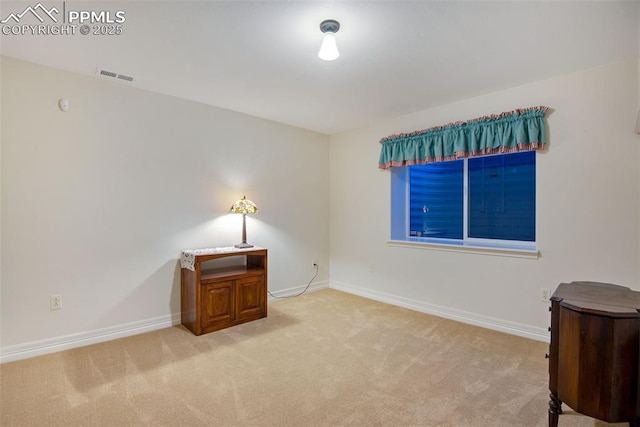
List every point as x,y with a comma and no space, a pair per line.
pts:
517,251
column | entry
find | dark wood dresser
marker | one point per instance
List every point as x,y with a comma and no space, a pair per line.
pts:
593,357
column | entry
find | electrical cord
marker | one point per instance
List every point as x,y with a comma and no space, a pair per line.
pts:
303,291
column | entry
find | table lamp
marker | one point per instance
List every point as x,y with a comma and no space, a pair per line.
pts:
244,207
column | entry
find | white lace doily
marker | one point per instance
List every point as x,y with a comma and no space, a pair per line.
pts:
188,257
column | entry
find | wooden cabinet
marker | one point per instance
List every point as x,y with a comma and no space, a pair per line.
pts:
222,287
593,357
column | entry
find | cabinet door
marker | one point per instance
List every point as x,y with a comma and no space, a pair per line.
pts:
217,309
597,364
250,297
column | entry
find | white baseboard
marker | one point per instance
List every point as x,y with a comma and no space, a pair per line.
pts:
66,342
513,328
286,293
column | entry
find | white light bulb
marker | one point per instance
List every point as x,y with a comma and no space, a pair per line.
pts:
329,49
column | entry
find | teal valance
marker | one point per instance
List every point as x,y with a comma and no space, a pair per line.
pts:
518,130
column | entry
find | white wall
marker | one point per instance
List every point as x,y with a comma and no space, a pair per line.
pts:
98,202
588,209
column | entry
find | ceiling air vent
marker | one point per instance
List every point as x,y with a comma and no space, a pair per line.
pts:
108,73
111,74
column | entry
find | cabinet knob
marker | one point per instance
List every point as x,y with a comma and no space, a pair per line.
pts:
546,356
549,308
549,328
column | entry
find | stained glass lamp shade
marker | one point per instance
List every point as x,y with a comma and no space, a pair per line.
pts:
244,207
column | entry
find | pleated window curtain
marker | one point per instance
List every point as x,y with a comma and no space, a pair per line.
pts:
518,130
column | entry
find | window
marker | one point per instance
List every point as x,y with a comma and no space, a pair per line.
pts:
483,201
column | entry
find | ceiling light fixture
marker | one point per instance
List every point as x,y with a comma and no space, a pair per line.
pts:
329,49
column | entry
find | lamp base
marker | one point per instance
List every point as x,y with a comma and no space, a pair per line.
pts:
242,245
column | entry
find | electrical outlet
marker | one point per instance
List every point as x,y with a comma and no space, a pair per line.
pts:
55,302
545,294
314,263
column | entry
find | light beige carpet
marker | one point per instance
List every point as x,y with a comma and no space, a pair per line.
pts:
322,359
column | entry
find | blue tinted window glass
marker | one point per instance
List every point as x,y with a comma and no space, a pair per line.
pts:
435,200
502,197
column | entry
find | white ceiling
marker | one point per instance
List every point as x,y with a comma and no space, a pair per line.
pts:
397,57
